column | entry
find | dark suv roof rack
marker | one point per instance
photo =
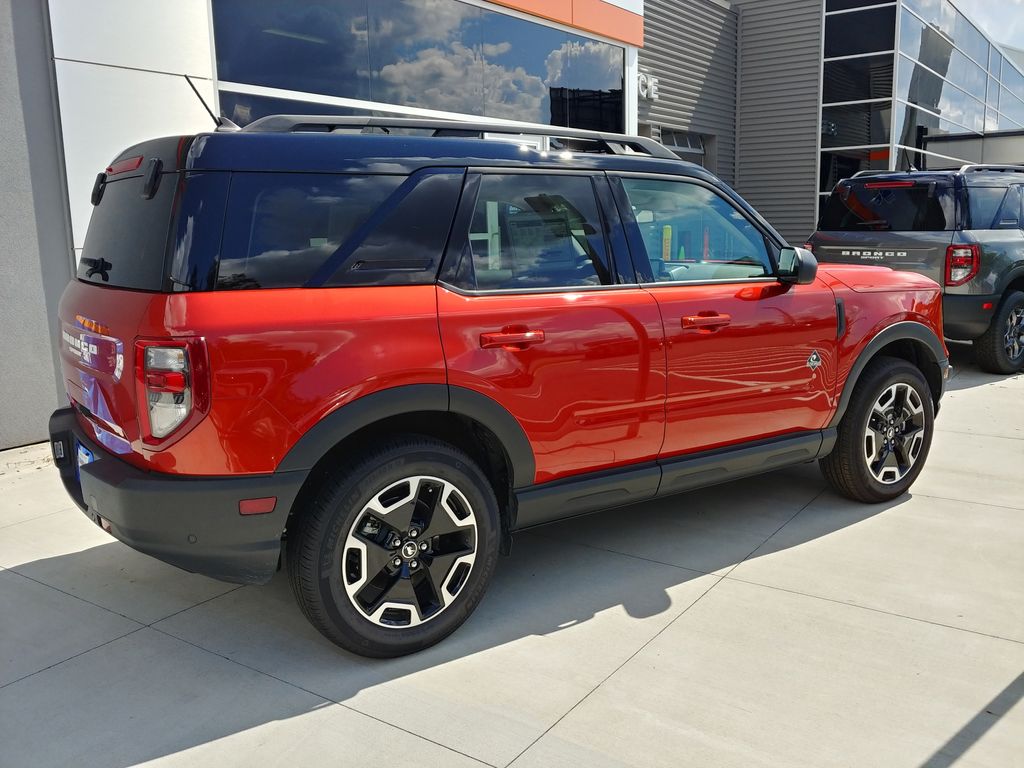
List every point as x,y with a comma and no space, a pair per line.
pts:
978,168
542,138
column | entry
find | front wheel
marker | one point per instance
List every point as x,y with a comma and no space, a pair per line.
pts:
885,434
397,550
1001,348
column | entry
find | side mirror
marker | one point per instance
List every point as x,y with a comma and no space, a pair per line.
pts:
797,266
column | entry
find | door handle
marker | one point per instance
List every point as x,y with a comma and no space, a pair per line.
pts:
510,339
709,321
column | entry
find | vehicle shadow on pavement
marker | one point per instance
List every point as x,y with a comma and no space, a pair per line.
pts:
966,373
571,603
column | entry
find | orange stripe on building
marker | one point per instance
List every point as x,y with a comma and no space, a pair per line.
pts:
595,16
878,154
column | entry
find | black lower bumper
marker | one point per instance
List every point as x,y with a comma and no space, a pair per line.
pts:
964,317
190,522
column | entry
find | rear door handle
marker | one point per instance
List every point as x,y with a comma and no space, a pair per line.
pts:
705,320
510,339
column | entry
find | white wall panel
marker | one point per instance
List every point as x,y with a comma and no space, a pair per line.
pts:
161,35
103,110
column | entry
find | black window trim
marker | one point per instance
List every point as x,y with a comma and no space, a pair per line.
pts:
459,233
638,250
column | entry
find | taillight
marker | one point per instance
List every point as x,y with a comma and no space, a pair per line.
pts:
172,384
962,262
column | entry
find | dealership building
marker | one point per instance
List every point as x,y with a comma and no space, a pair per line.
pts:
780,98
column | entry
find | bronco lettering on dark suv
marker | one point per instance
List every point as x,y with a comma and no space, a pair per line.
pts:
386,353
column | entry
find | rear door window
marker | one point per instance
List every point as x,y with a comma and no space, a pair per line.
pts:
883,206
126,244
535,231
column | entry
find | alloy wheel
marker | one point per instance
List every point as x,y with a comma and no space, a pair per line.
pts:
894,434
1013,336
409,552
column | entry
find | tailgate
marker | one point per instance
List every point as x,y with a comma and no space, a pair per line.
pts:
98,329
921,252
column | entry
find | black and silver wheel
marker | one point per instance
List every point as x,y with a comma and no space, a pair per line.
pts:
1001,348
894,433
884,435
396,552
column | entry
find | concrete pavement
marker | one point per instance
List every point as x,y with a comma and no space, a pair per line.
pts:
765,622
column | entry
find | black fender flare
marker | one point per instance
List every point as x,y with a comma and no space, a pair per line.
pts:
412,398
907,330
1015,273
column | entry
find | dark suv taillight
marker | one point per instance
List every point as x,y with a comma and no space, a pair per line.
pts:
172,384
962,262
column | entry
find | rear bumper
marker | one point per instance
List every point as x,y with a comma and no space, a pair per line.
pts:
190,522
964,317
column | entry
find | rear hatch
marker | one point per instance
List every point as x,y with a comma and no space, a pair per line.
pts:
122,274
901,221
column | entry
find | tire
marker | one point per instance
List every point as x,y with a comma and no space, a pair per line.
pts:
887,387
1001,348
342,550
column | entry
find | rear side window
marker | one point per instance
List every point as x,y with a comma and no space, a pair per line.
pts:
286,230
882,206
535,231
126,244
994,207
282,227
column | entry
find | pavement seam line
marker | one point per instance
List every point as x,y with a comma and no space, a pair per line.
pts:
606,678
74,596
977,434
772,535
72,658
873,609
37,517
320,696
965,501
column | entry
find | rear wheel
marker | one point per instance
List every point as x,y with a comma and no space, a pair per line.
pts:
885,435
1001,348
396,551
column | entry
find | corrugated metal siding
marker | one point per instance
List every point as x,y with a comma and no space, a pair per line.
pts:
690,46
779,98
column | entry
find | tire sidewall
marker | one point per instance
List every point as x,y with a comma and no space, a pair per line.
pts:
347,502
1008,365
878,381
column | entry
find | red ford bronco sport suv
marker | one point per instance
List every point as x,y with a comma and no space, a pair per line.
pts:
383,346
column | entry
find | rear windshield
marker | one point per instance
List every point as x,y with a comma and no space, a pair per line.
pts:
126,243
874,206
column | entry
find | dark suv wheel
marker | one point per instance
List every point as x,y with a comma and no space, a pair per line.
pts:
884,435
396,550
1001,348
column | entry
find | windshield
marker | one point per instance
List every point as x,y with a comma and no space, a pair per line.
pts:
882,206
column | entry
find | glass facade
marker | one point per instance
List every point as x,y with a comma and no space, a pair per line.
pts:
440,55
909,84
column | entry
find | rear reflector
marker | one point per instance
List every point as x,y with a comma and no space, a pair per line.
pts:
962,263
257,506
123,166
987,305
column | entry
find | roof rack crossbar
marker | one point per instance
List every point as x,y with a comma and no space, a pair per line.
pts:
979,167
613,143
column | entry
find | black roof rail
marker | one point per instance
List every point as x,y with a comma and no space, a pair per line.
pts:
540,136
980,167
